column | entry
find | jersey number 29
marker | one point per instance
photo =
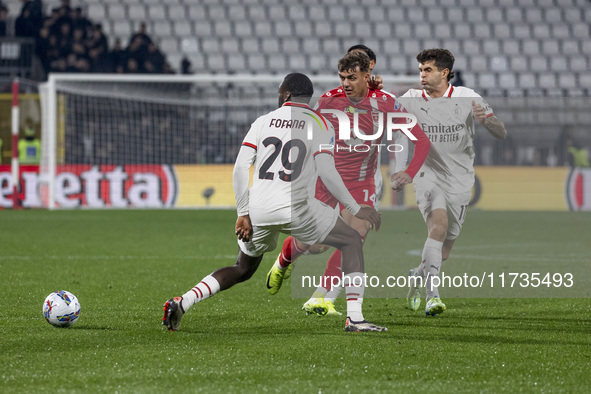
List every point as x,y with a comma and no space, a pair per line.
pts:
294,166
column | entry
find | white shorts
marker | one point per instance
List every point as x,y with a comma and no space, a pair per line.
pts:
430,197
310,224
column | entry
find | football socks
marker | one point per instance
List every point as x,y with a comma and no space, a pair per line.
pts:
204,289
432,258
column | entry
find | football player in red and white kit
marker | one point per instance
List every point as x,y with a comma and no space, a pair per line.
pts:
355,159
444,184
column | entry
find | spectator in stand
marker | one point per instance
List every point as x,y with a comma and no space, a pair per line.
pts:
54,52
141,34
30,20
137,51
3,18
65,37
186,67
63,16
50,21
80,21
131,67
42,47
65,9
72,63
117,58
97,49
77,45
154,63
67,41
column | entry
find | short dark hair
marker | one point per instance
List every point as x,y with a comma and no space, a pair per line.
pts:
352,60
441,57
298,84
364,48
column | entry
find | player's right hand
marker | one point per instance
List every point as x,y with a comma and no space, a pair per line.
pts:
399,180
375,82
371,215
244,228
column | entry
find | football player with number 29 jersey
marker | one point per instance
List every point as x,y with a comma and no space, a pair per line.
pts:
289,147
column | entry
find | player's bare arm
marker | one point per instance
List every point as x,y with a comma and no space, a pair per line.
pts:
244,228
494,126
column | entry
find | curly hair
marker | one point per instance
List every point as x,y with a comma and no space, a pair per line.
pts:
298,84
441,57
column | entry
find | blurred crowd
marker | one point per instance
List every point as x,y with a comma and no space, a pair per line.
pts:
68,41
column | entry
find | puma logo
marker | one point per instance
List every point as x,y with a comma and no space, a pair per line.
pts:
426,110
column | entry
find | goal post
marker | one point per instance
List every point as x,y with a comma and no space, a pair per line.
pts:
152,141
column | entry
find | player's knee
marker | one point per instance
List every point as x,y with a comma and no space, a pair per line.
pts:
243,270
244,273
362,228
438,232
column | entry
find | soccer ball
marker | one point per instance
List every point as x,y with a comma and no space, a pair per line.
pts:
61,308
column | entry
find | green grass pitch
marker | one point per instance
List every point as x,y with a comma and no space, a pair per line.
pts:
123,265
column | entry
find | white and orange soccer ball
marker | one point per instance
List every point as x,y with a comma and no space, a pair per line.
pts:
61,308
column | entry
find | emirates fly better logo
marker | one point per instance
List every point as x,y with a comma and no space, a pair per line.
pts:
358,141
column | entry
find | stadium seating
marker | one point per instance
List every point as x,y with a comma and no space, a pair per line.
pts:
495,41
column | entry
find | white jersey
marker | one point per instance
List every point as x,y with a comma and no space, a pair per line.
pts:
286,141
450,125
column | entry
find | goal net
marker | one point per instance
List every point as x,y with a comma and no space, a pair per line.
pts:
135,141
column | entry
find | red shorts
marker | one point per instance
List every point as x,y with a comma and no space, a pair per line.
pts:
363,193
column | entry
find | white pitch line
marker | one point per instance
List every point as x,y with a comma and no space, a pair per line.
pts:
106,257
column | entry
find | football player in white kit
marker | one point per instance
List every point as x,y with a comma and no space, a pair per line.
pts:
444,183
290,147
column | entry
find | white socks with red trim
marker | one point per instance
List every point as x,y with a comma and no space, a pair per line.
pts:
432,259
204,289
354,287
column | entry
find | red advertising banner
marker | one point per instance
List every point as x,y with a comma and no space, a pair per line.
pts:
104,186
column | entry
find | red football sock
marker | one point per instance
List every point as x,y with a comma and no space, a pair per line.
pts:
332,271
289,252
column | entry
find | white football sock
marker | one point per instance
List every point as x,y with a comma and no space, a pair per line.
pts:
204,289
432,264
354,287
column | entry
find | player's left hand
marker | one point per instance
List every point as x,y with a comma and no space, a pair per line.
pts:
478,112
375,82
244,228
399,180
